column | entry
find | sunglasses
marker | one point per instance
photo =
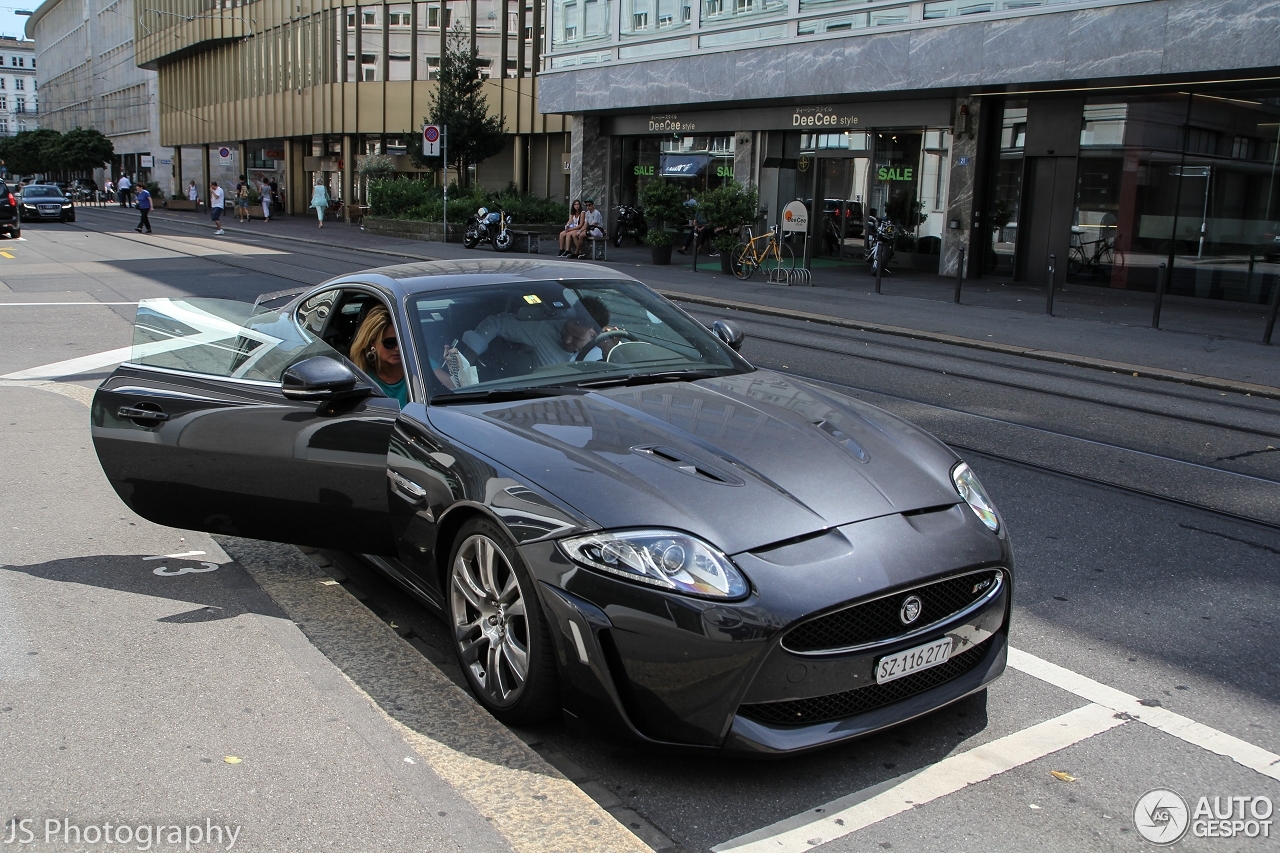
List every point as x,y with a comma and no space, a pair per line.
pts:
390,343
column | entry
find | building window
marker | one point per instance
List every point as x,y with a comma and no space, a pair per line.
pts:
4,103
1,84
18,83
21,106
21,61
4,125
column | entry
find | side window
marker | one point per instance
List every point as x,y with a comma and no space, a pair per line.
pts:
313,313
218,337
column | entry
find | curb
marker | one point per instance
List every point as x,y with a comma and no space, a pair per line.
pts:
1212,382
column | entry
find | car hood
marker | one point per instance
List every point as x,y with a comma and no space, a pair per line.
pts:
743,461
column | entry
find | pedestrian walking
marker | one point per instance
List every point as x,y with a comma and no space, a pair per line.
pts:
144,208
242,200
266,200
217,201
122,190
109,190
320,201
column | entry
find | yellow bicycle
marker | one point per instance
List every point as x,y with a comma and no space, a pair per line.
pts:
765,252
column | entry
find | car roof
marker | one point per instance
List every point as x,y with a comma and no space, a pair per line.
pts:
427,276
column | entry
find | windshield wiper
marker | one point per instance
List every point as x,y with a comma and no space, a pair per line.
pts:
650,378
502,395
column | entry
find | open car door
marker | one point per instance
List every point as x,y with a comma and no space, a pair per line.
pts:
232,419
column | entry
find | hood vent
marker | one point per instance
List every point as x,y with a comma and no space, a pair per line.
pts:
673,458
843,439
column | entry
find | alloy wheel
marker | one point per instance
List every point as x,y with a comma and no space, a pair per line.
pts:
490,621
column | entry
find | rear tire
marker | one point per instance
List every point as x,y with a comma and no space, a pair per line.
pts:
471,238
741,262
501,637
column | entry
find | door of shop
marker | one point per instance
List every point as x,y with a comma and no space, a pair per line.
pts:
1046,227
840,188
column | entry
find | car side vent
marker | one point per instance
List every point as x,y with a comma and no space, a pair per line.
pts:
674,459
843,439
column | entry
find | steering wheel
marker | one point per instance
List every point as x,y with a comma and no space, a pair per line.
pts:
603,337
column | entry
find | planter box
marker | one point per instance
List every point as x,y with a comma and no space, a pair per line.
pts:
433,231
181,204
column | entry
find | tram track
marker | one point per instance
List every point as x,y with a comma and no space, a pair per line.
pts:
1024,369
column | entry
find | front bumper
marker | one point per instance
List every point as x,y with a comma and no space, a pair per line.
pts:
673,670
37,215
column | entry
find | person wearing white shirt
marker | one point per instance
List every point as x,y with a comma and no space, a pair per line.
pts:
217,201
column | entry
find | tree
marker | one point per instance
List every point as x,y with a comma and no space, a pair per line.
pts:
459,104
83,150
661,201
31,151
727,208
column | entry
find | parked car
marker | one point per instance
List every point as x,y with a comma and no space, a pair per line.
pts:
613,511
42,202
10,223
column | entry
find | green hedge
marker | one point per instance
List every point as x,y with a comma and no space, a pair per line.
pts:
405,198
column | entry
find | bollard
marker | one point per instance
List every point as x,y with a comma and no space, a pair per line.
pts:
1048,304
1271,313
879,267
1161,276
959,274
696,241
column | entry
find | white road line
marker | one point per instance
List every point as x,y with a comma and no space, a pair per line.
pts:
849,814
72,366
1183,728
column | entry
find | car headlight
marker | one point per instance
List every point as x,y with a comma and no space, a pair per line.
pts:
66,204
975,496
662,558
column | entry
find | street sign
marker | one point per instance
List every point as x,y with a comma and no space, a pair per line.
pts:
146,161
795,217
224,156
430,140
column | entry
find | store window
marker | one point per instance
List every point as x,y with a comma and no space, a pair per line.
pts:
693,163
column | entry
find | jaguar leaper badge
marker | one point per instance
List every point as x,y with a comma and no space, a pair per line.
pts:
911,608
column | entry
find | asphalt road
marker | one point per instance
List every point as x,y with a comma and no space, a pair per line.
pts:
1144,519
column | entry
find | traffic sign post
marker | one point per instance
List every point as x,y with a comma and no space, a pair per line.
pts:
435,144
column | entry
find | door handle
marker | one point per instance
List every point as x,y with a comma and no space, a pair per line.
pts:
407,489
137,413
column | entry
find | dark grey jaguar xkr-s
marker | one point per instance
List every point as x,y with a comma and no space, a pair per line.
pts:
617,516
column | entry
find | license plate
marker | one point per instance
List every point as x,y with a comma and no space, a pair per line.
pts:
893,667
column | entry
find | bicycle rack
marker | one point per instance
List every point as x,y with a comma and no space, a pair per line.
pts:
799,275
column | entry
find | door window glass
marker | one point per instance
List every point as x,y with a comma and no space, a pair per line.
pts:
313,313
218,337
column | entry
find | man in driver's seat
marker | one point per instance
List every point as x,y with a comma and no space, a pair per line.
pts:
553,340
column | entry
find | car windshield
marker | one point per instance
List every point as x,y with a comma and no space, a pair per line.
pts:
42,192
559,336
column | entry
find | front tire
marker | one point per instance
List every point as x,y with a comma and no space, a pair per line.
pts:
501,637
502,241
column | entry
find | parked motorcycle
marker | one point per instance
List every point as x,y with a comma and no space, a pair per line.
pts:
494,227
630,224
880,237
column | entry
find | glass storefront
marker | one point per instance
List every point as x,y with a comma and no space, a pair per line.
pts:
1189,180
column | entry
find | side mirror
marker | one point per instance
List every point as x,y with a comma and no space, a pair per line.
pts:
318,378
729,333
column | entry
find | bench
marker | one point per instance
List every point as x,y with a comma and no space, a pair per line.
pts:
526,241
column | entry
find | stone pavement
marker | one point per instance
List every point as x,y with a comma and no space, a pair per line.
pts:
1198,338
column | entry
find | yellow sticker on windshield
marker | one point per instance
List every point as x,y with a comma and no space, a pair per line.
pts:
532,300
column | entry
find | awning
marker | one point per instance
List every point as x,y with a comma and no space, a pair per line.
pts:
682,165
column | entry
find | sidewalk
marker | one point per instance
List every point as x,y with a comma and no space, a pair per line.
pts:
1091,327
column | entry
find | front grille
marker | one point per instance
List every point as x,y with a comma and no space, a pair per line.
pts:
878,620
820,709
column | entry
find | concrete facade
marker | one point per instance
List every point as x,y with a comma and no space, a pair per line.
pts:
85,49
